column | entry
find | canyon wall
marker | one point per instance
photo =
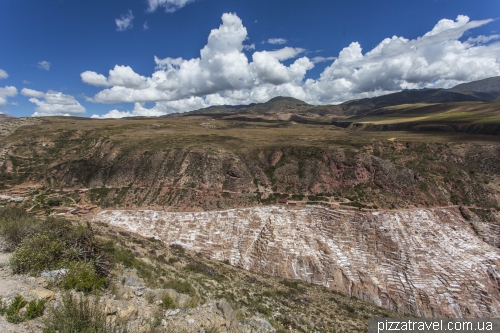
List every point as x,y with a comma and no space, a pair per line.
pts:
423,262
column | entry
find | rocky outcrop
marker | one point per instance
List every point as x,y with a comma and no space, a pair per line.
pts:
143,174
424,262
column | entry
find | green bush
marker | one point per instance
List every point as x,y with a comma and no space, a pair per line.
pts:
37,253
83,277
79,315
12,312
199,267
265,311
16,225
124,256
183,287
167,302
57,226
172,260
34,309
2,307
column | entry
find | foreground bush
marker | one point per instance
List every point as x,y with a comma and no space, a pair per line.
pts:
83,277
16,225
34,309
52,244
39,252
79,315
12,312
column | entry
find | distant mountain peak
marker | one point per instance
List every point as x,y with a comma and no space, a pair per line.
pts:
489,85
281,99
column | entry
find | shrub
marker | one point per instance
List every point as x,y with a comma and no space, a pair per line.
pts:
79,315
291,284
191,303
124,256
265,311
2,307
83,277
56,226
37,253
172,261
199,267
167,302
12,312
34,309
16,225
183,287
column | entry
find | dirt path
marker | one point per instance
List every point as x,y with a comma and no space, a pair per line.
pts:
10,286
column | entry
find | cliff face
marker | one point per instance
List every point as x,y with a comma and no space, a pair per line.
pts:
424,262
387,175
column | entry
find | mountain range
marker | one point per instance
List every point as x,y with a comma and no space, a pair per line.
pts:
487,90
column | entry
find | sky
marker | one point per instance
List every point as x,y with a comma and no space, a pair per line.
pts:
122,58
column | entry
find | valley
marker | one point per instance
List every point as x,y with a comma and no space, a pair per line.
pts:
398,206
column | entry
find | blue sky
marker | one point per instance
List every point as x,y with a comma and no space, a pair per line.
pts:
88,57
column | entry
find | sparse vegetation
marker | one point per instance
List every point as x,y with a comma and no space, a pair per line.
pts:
167,302
183,287
41,251
79,315
34,309
12,312
82,276
16,225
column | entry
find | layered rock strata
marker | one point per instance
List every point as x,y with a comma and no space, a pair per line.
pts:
424,262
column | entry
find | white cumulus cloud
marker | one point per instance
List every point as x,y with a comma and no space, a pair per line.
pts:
170,6
3,74
319,59
277,41
44,65
222,66
436,60
7,91
223,74
482,39
53,103
125,21
32,93
249,47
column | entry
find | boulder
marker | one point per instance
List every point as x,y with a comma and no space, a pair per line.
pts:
129,313
227,312
260,325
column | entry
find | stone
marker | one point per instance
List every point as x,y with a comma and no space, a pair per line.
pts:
173,312
54,276
110,308
40,281
227,312
128,296
260,325
128,313
45,294
131,281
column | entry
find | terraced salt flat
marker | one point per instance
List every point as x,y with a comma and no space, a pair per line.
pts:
426,262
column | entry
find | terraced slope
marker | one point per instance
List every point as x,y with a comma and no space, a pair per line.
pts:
423,262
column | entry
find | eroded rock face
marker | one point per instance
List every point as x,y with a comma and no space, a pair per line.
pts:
425,262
